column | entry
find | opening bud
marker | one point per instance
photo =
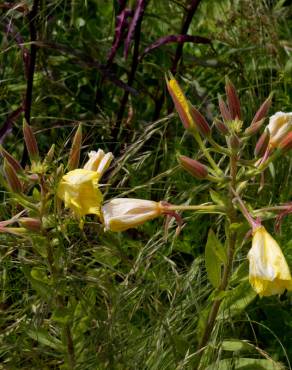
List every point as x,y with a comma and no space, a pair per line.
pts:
195,168
74,155
262,144
98,161
233,100
200,121
12,178
30,142
180,102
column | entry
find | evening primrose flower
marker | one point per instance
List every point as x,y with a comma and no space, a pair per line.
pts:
269,273
279,126
124,213
79,188
79,191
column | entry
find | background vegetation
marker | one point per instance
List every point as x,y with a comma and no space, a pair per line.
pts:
136,300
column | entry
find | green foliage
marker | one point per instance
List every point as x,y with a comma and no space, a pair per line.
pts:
139,300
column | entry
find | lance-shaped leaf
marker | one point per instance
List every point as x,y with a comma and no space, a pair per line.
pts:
215,256
178,39
74,155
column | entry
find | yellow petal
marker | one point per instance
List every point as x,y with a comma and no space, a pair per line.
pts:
79,190
268,270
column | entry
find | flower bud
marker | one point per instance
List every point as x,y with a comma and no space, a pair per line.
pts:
234,142
254,127
200,121
11,160
286,143
30,142
194,167
180,102
233,100
12,178
225,113
221,127
74,155
263,110
279,126
262,144
49,156
32,224
124,213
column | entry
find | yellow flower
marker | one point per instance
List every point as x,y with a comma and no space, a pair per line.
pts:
79,190
268,270
124,213
279,126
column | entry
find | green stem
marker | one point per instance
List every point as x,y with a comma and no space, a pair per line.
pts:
207,208
231,238
206,153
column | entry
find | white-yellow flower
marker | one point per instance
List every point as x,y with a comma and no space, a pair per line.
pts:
98,161
124,213
268,270
280,124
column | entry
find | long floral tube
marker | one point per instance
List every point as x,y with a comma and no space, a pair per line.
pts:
200,208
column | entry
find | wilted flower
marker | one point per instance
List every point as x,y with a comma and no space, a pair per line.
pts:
124,213
79,190
279,126
268,270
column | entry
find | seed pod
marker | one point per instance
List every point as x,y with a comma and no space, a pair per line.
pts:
30,142
74,155
262,144
33,224
263,110
195,168
286,143
11,160
12,178
233,100
200,121
221,127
